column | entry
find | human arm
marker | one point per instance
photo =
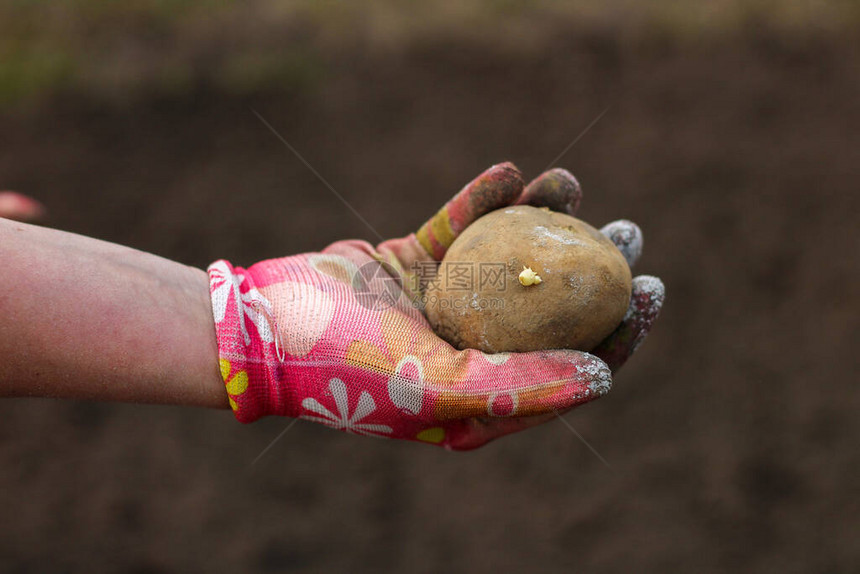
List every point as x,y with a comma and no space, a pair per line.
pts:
82,318
300,336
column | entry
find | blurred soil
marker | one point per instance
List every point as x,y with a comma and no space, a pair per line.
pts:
732,436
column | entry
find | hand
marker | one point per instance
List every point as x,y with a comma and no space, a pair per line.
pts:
334,337
19,207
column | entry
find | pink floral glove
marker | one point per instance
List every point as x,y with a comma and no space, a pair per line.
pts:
338,337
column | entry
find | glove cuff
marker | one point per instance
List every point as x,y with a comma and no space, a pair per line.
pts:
248,344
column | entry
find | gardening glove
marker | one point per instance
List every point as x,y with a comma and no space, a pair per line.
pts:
339,338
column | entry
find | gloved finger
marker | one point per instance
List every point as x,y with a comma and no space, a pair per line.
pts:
571,378
627,237
645,304
416,255
556,189
19,207
497,187
511,385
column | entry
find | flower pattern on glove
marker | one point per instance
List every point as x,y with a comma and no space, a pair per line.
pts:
343,420
412,357
236,383
224,286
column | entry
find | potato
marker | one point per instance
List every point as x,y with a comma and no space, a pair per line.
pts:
523,279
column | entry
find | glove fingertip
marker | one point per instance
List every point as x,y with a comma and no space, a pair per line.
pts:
648,296
593,372
498,186
627,237
647,299
556,189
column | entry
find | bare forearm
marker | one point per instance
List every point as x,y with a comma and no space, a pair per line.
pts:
83,318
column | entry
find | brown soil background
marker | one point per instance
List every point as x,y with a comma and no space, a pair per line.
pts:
732,436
